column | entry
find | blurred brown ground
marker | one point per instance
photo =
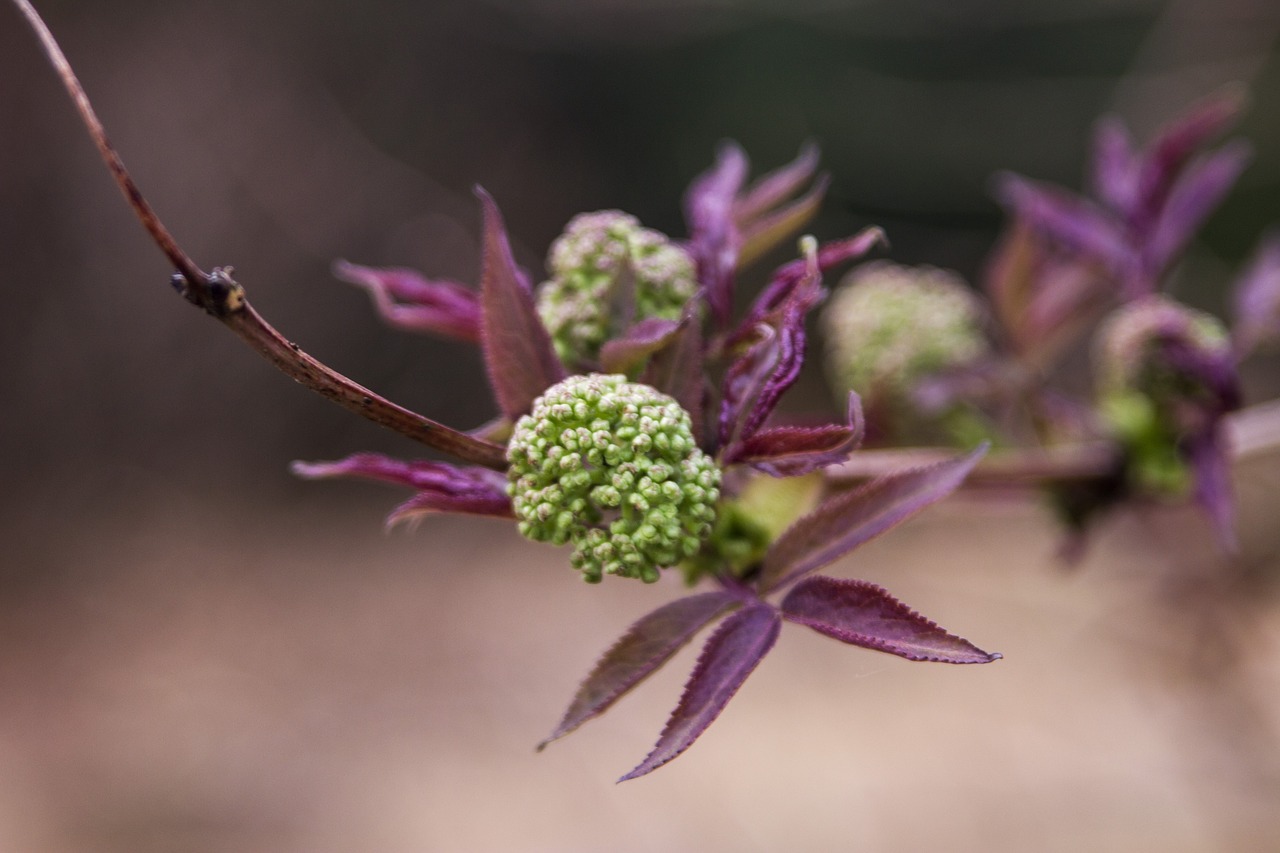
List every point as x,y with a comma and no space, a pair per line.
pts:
198,653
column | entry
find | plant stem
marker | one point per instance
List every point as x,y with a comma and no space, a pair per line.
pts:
1249,432
221,297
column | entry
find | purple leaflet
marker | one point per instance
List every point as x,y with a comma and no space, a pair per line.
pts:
1212,471
1115,172
787,276
1198,191
863,614
757,379
794,451
776,187
847,520
1256,303
407,299
640,652
1165,156
713,239
730,655
760,234
517,349
1074,221
441,487
624,354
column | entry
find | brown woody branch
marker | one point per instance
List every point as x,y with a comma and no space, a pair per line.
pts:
219,295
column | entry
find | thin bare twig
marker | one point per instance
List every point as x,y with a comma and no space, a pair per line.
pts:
223,298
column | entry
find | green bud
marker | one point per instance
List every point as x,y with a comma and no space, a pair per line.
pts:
608,272
1149,404
642,506
887,326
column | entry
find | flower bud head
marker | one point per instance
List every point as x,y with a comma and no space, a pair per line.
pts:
612,467
1164,374
888,326
1132,346
608,272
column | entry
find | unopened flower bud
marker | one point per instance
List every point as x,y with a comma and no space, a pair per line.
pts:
1164,373
631,504
887,326
608,272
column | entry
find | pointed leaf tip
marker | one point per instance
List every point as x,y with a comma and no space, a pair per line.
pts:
517,348
730,655
640,652
863,614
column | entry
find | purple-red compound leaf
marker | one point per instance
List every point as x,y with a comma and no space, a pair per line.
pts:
713,234
1175,144
772,189
640,652
1199,190
1115,170
847,520
1256,308
757,379
789,275
1211,469
1070,220
517,349
637,344
863,614
407,299
760,234
730,655
794,451
441,487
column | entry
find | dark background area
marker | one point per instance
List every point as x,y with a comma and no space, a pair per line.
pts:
202,651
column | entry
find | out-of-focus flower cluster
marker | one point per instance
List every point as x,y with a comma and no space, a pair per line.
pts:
1165,374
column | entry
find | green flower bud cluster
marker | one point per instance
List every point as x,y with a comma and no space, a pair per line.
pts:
1149,404
1126,355
612,467
888,325
606,273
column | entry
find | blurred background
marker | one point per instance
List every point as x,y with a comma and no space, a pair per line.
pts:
198,652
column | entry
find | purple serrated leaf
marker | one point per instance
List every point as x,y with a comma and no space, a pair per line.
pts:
517,349
441,487
1211,470
1256,301
847,520
1072,221
641,651
407,299
488,505
627,352
1115,171
789,275
1197,193
863,614
757,379
1175,144
730,655
772,189
795,451
713,236
415,473
766,231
